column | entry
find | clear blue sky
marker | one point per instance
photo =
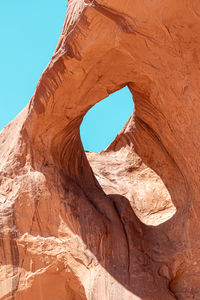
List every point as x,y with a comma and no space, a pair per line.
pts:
105,119
29,31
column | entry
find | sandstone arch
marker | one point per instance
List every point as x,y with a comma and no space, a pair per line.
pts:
54,213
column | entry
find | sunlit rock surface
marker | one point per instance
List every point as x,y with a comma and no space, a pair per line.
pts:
132,230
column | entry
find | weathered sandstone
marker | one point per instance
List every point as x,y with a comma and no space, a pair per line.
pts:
130,229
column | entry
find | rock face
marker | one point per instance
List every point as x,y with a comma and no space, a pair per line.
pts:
132,230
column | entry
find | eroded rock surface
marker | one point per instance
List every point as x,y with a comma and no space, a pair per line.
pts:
131,232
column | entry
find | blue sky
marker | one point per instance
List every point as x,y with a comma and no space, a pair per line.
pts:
105,119
29,33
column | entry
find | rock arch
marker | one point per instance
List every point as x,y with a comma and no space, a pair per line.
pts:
54,211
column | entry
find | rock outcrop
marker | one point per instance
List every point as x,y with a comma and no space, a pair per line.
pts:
130,229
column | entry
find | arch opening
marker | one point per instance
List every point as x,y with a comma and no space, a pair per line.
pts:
105,119
118,169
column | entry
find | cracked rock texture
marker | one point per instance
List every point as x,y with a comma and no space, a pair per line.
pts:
129,229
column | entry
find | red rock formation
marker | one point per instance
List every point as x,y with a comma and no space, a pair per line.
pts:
65,235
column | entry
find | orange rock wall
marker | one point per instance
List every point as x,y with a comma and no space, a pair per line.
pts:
129,229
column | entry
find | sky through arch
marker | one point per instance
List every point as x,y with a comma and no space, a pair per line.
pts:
104,120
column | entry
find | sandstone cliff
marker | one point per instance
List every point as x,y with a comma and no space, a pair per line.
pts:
129,229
